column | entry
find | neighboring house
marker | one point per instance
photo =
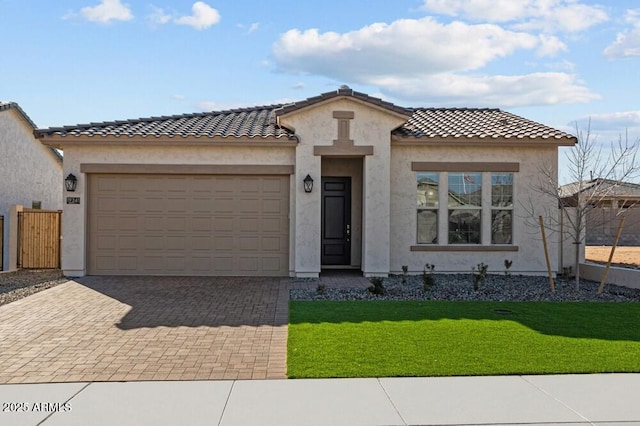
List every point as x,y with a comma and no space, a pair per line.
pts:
223,193
30,173
610,200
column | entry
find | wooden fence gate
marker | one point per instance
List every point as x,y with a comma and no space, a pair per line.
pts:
39,239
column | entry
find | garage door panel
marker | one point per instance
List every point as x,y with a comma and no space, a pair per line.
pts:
223,224
176,224
223,243
153,223
249,243
249,264
106,223
272,264
223,205
127,223
249,185
177,243
249,224
128,242
223,264
272,186
273,244
271,225
127,263
188,225
201,205
107,204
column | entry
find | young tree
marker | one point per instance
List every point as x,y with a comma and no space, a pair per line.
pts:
596,173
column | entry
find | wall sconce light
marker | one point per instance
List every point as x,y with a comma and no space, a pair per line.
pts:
70,182
308,184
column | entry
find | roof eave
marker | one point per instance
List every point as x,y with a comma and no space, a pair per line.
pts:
481,141
60,141
361,98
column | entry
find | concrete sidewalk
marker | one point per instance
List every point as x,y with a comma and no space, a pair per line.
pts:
602,399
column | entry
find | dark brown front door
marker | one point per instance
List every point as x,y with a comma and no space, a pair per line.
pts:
336,220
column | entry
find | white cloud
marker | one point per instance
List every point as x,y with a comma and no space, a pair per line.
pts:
614,121
479,10
254,27
106,11
627,44
158,16
204,16
249,29
403,47
563,65
427,61
484,90
550,46
207,106
546,15
298,86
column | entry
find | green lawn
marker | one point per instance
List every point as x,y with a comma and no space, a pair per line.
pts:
386,339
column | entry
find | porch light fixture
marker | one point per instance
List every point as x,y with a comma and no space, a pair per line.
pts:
308,184
70,182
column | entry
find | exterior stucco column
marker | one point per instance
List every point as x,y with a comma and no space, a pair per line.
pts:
73,222
308,214
376,226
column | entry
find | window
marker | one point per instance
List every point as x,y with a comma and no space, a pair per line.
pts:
427,199
465,204
501,208
465,208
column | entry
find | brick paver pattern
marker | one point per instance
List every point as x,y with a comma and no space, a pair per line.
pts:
147,328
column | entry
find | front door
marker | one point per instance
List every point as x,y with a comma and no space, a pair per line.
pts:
336,221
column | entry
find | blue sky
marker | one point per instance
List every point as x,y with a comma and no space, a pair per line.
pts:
554,61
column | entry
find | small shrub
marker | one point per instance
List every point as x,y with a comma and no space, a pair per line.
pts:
405,270
479,274
378,286
427,277
567,272
507,265
321,289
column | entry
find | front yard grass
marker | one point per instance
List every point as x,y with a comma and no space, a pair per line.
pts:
437,338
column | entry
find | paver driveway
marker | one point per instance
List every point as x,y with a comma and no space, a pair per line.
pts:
147,328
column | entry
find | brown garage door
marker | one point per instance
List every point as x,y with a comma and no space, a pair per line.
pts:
188,225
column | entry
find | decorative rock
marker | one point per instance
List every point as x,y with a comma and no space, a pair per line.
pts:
496,288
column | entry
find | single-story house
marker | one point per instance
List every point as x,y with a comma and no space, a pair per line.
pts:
31,176
340,180
608,201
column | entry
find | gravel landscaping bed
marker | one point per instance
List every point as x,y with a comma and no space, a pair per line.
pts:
19,284
460,287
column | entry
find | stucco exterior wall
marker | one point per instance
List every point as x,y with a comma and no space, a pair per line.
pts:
29,172
529,258
317,126
74,217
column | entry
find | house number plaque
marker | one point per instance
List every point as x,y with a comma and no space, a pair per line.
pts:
73,200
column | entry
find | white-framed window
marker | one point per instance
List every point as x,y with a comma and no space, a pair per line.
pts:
428,185
463,208
501,208
464,215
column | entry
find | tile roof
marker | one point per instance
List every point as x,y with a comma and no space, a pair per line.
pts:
602,187
258,122
261,122
490,123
